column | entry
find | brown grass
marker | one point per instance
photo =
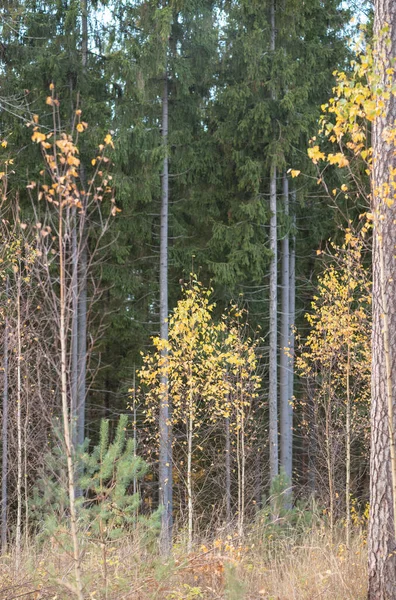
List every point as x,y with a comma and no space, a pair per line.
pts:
264,566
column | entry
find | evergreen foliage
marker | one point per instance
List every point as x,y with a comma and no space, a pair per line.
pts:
107,506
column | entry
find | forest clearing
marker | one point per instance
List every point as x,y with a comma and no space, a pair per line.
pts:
198,300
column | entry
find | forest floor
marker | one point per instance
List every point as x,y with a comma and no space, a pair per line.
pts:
306,566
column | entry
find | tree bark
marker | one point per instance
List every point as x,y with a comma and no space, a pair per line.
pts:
65,407
292,317
273,309
228,469
82,271
382,536
165,448
273,356
74,333
284,398
4,435
18,530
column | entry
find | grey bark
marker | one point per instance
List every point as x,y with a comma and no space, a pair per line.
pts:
4,437
74,332
273,354
292,301
228,469
82,339
382,538
165,448
284,365
82,270
273,341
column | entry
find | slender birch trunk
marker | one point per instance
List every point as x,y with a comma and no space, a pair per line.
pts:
74,332
241,512
273,337
273,354
329,460
284,366
26,465
82,270
348,449
65,409
18,531
228,469
292,311
165,446
4,433
189,479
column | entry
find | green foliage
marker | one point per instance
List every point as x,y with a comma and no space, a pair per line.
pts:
277,520
235,588
106,507
108,473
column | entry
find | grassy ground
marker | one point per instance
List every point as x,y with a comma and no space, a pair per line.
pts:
265,565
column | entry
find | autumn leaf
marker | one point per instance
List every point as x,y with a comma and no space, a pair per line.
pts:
315,154
38,137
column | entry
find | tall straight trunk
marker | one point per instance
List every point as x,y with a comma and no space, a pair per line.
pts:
18,530
241,463
65,409
190,424
348,449
292,307
228,469
74,332
4,434
165,448
292,316
284,365
82,339
273,354
382,525
329,460
273,304
82,270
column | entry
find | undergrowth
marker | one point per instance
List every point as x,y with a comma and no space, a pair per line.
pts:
267,564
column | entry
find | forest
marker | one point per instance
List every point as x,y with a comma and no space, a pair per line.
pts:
198,299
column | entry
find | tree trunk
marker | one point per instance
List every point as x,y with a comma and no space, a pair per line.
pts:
273,299
273,354
189,480
292,316
382,535
65,409
165,448
74,333
228,469
82,271
18,530
285,424
4,434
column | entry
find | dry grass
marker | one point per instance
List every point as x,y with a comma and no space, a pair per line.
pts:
289,567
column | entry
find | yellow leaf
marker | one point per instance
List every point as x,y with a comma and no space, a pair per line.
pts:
294,173
93,162
51,87
315,154
80,127
38,137
109,140
49,101
4,143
